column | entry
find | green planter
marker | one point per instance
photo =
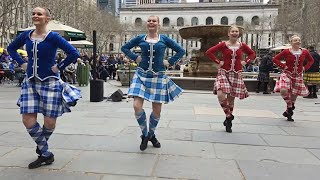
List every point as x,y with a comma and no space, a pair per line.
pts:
125,75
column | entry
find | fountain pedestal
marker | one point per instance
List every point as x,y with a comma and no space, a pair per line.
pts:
209,36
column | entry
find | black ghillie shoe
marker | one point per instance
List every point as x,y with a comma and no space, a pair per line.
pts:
228,126
41,161
225,121
155,142
228,123
288,114
144,142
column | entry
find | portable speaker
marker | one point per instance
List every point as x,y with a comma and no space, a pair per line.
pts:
117,96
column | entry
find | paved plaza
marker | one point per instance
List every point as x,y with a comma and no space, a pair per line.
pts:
100,141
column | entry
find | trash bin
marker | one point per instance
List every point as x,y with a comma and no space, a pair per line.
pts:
83,72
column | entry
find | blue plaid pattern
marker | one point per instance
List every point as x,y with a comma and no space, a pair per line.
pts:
154,87
36,133
47,132
51,97
153,122
142,121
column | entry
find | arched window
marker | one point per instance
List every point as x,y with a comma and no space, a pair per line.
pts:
224,20
255,20
138,22
111,47
209,21
180,21
166,22
194,21
239,21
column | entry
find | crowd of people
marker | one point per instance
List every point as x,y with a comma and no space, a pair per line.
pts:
107,66
10,69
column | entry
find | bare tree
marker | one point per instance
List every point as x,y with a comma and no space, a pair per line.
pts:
10,13
15,14
311,23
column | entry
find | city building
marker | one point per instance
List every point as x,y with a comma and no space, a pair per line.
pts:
285,5
257,18
215,1
110,6
252,1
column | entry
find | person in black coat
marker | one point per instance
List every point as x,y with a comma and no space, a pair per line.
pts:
312,76
266,65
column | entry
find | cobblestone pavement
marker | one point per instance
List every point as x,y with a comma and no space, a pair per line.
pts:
100,141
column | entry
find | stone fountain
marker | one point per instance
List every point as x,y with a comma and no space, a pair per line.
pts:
209,35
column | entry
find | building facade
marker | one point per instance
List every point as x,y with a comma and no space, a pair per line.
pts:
110,6
285,5
257,18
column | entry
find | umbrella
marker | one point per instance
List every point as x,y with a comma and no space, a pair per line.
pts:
67,32
20,51
286,46
81,44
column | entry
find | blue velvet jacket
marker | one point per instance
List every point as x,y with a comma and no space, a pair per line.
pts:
158,48
42,54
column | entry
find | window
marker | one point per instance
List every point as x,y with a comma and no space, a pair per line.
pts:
255,20
224,20
166,22
111,47
239,21
194,21
209,21
180,21
138,22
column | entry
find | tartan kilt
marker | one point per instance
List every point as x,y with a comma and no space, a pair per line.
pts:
294,84
51,97
154,87
311,78
231,83
264,77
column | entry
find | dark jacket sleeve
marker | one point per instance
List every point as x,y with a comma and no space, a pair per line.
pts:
176,48
15,45
126,48
72,53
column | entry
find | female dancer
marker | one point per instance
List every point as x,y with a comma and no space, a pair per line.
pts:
229,80
290,83
150,82
42,90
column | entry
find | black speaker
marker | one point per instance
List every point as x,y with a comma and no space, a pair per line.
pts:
96,90
117,96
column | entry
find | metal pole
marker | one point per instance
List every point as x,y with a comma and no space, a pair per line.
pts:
94,38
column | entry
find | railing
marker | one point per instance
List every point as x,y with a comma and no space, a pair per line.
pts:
245,75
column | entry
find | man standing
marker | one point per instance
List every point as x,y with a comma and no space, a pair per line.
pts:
312,75
266,65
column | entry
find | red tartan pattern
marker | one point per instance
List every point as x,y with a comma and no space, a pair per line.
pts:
294,84
231,83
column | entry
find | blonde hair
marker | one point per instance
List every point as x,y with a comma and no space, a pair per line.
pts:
294,36
155,17
233,26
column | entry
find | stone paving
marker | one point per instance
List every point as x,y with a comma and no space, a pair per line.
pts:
100,141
